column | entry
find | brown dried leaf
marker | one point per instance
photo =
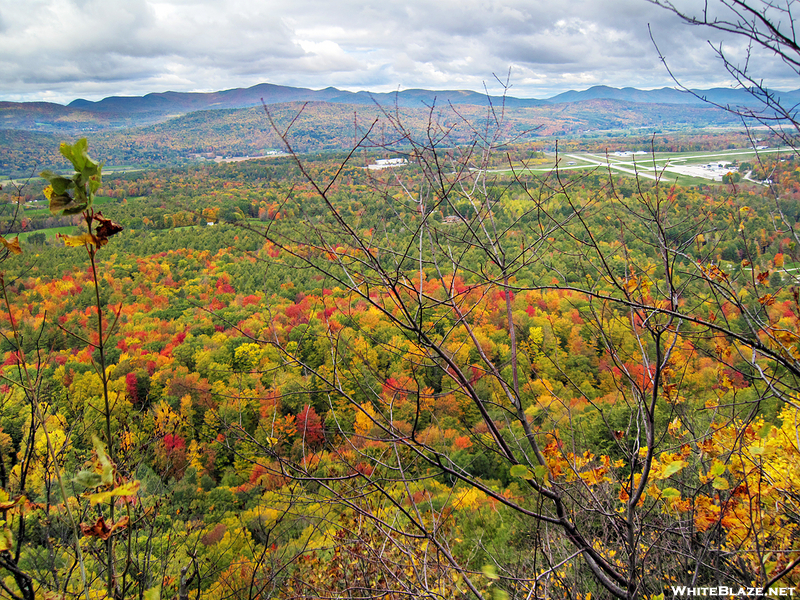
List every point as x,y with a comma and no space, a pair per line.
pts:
98,529
106,228
101,530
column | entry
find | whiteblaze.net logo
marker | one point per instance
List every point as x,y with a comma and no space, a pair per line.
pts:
726,591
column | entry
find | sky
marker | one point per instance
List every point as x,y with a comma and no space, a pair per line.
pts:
60,50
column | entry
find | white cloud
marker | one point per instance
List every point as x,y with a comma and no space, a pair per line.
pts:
63,49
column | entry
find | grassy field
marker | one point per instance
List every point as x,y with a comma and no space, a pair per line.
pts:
684,168
41,209
50,233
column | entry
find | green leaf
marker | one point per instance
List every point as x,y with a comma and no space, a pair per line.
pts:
720,483
81,196
673,467
76,209
60,184
765,430
95,182
521,471
59,203
541,472
490,571
88,479
717,468
76,153
84,183
670,492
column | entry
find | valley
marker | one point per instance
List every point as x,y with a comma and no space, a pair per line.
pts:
304,376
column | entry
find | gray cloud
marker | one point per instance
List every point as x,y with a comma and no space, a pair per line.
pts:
63,49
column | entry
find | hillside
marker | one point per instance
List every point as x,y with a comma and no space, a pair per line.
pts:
327,126
122,111
306,389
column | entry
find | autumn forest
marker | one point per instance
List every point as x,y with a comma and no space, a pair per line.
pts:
297,377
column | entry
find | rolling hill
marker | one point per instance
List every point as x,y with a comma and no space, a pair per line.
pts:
174,127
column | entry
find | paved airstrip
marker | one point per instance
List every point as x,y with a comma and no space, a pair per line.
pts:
709,165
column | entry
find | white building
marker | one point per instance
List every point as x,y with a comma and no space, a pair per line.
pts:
388,163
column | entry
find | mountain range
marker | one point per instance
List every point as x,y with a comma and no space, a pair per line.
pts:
127,111
276,94
173,128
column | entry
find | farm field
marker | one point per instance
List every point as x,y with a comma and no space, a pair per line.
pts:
686,168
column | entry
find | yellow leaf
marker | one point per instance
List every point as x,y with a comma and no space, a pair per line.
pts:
670,492
631,284
6,539
717,468
78,240
594,476
7,504
127,489
675,427
11,245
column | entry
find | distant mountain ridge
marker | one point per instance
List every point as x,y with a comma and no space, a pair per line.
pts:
127,111
719,96
277,94
117,112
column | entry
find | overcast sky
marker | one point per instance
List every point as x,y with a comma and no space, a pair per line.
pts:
59,50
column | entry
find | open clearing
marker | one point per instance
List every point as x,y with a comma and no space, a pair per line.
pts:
686,167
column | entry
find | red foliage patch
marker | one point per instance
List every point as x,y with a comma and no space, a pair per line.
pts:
131,384
251,299
214,536
309,426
